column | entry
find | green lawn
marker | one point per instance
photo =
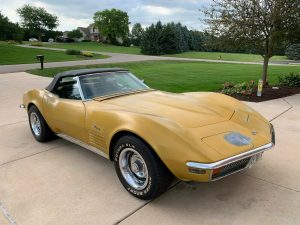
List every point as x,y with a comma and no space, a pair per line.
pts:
12,54
178,76
95,46
226,56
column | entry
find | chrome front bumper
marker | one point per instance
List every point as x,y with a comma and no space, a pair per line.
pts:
200,168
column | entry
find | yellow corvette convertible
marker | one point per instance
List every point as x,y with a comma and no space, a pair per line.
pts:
150,135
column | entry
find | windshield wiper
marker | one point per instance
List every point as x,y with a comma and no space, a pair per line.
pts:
101,98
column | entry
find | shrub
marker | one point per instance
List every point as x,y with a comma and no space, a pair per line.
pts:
293,52
12,42
72,52
244,89
87,54
86,41
37,44
290,80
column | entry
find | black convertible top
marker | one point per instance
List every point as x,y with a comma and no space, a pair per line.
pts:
73,73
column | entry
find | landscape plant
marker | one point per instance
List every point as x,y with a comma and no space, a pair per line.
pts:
87,54
72,52
291,79
242,89
12,42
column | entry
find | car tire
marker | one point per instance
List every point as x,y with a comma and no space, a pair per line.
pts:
139,169
38,126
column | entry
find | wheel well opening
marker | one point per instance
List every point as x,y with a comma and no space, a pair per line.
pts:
120,134
29,105
114,140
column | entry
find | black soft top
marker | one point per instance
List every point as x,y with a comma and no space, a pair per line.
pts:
73,73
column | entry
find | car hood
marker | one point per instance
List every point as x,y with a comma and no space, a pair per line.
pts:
187,110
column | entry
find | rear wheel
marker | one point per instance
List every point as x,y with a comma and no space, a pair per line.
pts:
38,125
139,169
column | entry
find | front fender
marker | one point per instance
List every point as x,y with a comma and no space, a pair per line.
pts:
173,144
35,97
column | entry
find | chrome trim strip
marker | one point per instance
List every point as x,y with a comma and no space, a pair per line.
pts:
80,89
82,144
211,166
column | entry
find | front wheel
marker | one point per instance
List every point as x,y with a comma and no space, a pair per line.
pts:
38,125
139,169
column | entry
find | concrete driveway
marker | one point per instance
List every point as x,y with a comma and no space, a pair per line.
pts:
61,183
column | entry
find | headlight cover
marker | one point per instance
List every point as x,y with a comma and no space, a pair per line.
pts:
237,139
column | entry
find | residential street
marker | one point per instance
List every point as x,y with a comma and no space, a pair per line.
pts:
114,58
61,183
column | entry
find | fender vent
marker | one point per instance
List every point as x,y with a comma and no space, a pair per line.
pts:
97,140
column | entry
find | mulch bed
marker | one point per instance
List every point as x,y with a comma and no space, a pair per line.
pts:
269,94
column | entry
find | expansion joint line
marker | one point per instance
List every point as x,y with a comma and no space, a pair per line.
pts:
290,107
7,215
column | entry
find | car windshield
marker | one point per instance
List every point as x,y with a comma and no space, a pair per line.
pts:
112,83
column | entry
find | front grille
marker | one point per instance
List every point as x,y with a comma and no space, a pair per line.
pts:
232,167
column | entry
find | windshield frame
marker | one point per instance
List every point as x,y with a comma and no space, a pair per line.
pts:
78,78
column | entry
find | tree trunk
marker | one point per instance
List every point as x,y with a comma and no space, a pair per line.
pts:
265,69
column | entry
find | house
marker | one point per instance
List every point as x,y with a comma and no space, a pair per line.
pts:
65,34
90,33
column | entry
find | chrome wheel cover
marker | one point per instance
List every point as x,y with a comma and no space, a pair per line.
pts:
133,168
35,124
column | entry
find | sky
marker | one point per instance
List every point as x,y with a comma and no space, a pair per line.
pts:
79,13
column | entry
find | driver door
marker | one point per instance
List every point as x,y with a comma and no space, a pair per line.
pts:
64,110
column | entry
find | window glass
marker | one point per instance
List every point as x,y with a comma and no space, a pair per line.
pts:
109,84
67,87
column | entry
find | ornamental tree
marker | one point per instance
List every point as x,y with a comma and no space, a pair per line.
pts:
113,24
37,20
259,24
75,34
137,34
9,30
